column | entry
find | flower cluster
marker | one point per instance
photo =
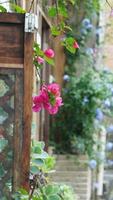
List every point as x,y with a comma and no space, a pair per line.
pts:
41,56
49,53
49,99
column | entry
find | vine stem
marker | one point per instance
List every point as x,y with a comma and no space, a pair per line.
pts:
31,5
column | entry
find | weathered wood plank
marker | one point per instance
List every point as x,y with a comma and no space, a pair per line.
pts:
11,66
18,129
28,75
12,18
11,43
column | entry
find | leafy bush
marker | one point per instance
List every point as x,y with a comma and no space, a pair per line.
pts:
40,187
49,192
84,99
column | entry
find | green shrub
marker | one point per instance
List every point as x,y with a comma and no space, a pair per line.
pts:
74,125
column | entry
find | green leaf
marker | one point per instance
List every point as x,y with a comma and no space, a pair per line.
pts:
17,8
55,31
54,197
49,60
72,2
37,146
71,49
68,28
3,9
43,155
49,190
36,198
68,43
34,170
52,190
50,162
63,11
23,191
38,162
52,12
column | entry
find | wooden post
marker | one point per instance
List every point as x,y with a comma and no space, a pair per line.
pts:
28,76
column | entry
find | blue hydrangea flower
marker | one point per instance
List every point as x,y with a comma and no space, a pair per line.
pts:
110,163
110,129
83,31
85,100
99,114
89,27
109,146
66,77
107,103
98,31
86,22
92,164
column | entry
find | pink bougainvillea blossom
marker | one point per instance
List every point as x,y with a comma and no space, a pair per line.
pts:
75,45
54,88
49,53
49,98
40,60
37,101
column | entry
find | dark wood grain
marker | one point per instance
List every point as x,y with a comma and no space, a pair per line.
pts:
18,129
11,38
11,43
12,18
28,75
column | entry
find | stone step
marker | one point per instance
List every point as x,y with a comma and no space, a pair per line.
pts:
74,174
61,167
73,162
71,157
76,186
73,180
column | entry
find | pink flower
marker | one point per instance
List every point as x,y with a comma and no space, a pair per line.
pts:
49,53
75,45
53,110
59,101
49,99
37,101
40,60
54,89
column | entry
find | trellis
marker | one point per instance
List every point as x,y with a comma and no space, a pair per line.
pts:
15,103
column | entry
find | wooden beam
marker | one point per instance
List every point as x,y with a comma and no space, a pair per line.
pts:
18,128
28,75
12,18
12,66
